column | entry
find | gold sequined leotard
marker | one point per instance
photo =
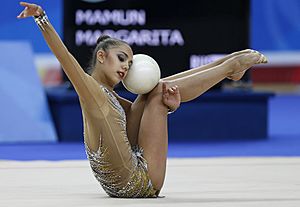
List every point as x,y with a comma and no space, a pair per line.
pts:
120,169
119,178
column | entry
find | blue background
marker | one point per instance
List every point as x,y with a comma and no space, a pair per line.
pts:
274,24
12,28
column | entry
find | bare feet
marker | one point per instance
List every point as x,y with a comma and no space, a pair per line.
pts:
241,52
241,63
237,76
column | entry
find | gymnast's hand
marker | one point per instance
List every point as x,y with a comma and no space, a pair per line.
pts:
30,10
171,97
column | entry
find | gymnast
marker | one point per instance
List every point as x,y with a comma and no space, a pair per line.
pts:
126,143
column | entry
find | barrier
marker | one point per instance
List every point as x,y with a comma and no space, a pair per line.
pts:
214,115
24,113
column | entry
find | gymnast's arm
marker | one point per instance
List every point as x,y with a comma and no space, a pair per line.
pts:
71,67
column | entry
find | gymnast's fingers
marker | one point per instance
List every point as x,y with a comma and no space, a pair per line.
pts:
170,90
22,14
177,89
22,3
164,88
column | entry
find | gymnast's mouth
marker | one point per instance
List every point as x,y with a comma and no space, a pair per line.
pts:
121,74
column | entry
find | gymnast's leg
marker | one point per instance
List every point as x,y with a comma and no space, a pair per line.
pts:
136,111
153,134
193,85
208,66
134,116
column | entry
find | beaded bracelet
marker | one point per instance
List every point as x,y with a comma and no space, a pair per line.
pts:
41,20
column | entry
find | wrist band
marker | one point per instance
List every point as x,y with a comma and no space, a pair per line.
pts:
41,20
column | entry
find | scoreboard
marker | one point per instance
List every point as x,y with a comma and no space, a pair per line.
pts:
179,35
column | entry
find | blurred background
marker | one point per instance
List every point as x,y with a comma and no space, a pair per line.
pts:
258,115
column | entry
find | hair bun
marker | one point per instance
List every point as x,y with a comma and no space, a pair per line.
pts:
102,38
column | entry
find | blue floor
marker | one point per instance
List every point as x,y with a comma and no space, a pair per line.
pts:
274,146
284,140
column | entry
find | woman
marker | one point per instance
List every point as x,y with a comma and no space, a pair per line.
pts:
126,142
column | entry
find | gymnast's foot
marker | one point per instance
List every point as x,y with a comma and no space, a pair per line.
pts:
241,63
241,52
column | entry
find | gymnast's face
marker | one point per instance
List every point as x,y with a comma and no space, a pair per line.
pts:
115,63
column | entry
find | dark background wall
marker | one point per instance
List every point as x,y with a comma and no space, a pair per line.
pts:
207,27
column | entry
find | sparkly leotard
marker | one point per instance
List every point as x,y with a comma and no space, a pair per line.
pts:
120,169
138,183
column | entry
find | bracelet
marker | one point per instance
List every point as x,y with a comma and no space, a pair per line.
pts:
41,20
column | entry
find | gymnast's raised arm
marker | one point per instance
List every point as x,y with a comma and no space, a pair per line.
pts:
75,73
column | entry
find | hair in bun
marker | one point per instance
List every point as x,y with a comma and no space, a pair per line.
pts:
102,38
104,42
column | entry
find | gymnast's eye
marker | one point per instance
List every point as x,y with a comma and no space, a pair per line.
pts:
121,58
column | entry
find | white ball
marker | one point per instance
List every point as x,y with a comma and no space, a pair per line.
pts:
143,75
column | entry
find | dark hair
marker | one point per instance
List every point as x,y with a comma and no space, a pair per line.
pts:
104,42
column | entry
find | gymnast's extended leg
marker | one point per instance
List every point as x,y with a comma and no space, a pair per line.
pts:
193,85
153,135
184,80
136,111
210,65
